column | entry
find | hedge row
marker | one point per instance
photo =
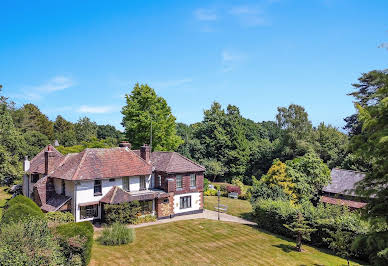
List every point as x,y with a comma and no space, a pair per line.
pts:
271,215
20,208
76,241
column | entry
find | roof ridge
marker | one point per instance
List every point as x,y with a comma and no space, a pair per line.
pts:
187,159
80,162
113,194
129,150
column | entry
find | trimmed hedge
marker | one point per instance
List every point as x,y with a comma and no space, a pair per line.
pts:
58,218
76,240
271,215
20,199
19,208
125,213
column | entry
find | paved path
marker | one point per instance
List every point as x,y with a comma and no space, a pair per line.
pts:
207,214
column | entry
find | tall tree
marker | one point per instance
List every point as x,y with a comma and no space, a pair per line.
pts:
64,132
372,143
85,129
297,130
108,131
145,108
29,117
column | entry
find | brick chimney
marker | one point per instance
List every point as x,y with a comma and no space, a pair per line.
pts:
145,153
48,160
125,144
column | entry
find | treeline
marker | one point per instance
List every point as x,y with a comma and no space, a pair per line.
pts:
26,130
232,146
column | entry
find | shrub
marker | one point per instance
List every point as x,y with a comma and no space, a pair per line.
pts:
19,199
125,213
210,192
262,190
58,218
272,214
145,219
205,184
117,234
245,190
235,189
75,239
29,243
17,212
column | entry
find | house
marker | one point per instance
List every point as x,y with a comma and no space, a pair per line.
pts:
165,183
340,190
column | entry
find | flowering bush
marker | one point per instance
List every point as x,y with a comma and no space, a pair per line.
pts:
235,189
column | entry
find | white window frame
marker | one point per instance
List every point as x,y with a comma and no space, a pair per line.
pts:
193,180
180,177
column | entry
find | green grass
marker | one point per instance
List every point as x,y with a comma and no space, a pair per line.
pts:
203,242
236,207
4,195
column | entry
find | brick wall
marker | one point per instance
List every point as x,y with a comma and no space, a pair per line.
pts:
165,209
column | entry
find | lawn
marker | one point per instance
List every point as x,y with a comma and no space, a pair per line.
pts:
202,242
236,207
3,198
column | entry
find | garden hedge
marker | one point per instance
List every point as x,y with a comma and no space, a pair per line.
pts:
76,240
20,199
20,208
271,215
124,213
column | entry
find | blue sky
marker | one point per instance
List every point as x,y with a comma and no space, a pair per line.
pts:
79,58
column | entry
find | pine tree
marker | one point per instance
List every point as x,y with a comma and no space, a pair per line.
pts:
300,229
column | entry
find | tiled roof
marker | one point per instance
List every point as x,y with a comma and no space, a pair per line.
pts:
117,195
343,181
48,198
101,163
173,162
37,163
349,203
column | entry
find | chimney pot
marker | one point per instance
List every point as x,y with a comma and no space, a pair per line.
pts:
125,144
145,153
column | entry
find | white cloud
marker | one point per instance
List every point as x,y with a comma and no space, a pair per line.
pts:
55,84
96,109
171,83
248,16
230,60
205,14
383,45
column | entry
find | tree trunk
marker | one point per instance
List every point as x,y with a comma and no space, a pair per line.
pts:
299,243
348,261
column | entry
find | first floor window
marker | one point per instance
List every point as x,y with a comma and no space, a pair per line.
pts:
185,202
126,183
193,180
97,188
142,183
89,211
178,181
34,178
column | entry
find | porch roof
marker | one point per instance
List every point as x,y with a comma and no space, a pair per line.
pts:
349,203
117,195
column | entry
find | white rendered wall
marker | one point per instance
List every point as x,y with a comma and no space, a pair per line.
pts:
84,192
195,202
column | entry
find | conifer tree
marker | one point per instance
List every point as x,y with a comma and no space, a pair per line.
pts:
300,229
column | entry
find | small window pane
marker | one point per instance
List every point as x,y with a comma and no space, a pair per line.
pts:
89,211
126,183
97,187
142,183
193,180
185,202
179,181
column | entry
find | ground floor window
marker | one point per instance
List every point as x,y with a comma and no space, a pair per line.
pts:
34,178
90,211
185,202
146,206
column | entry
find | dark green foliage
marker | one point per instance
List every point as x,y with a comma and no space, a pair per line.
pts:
125,213
117,234
375,244
108,131
75,240
29,242
20,199
205,184
300,229
35,141
143,105
64,132
271,215
57,218
10,167
18,212
85,129
264,191
29,117
20,208
340,241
